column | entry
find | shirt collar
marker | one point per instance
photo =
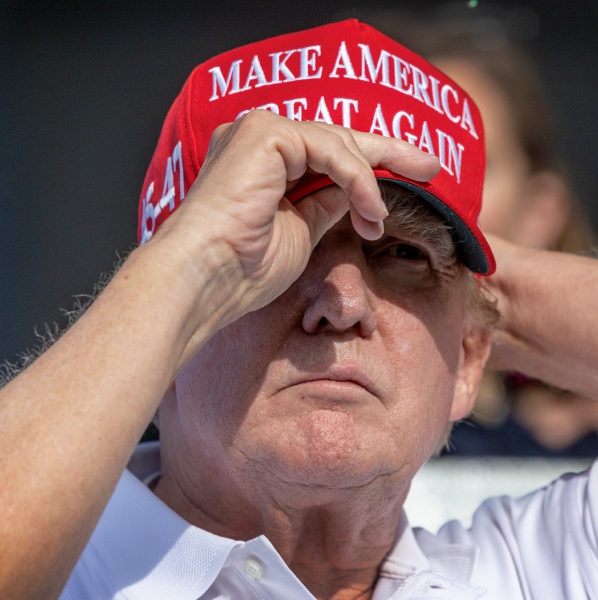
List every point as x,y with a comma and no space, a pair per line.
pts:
151,552
419,550
148,551
420,566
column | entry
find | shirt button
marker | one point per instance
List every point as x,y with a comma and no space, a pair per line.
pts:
438,584
253,569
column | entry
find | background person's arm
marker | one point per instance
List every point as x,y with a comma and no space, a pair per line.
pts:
69,423
549,303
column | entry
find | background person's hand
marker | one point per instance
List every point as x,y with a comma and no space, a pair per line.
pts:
548,305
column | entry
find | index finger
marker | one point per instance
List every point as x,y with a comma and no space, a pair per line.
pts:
332,151
397,156
392,154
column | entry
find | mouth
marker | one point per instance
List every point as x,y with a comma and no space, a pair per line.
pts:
346,376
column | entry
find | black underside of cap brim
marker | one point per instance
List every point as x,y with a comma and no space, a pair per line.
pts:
468,248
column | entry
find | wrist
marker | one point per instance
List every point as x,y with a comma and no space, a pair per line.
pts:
194,283
509,284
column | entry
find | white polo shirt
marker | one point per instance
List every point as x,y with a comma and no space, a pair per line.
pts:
543,546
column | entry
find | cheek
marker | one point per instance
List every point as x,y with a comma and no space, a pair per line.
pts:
215,389
424,348
422,331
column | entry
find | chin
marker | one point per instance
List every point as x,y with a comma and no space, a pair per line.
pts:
325,449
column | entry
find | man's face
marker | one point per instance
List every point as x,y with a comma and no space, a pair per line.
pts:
349,375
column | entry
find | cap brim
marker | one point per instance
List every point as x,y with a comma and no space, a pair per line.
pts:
472,248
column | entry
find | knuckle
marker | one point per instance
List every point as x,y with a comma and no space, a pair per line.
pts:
264,125
217,136
291,131
343,132
250,119
256,118
219,131
336,141
346,135
294,136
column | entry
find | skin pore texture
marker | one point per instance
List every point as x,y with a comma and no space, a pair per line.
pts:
307,419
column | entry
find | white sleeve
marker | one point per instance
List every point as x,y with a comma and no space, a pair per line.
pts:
543,546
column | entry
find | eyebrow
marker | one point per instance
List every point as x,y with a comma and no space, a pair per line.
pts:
416,218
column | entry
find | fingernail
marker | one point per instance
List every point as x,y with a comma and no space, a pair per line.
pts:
383,212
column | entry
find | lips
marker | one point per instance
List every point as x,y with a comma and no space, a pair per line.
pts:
342,374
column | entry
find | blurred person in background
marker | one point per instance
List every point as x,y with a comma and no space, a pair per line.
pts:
527,200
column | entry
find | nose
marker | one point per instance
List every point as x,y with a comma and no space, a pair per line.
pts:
339,301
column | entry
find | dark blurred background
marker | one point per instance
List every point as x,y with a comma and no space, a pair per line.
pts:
85,87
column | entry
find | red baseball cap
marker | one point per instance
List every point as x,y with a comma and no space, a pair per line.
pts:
347,74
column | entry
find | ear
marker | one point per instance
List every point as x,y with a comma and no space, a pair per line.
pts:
475,351
546,211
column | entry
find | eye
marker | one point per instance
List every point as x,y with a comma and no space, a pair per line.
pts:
407,252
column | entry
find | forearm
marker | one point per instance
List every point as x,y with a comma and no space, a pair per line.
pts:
549,302
71,421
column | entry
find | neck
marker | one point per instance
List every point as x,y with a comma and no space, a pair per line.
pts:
333,539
